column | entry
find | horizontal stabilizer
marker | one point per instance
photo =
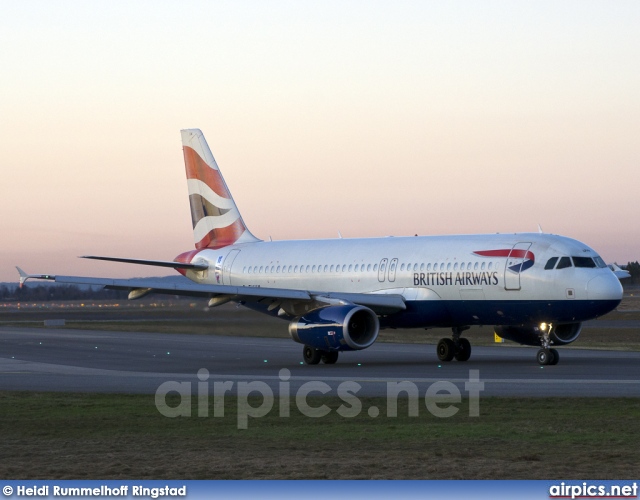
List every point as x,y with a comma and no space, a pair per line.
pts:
157,263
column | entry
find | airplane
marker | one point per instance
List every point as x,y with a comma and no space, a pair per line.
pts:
536,289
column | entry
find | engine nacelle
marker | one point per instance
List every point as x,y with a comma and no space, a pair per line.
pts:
336,328
530,335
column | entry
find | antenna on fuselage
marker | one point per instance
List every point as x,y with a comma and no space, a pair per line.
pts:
539,228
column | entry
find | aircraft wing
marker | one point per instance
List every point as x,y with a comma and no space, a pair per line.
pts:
138,287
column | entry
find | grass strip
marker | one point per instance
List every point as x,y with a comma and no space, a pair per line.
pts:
91,436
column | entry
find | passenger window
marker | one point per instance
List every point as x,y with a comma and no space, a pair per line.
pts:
483,265
325,268
344,268
368,267
475,267
375,267
583,262
455,266
402,267
313,269
490,266
422,267
442,267
350,267
564,263
551,263
429,267
449,266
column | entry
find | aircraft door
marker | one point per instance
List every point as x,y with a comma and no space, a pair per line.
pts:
382,270
392,269
515,265
228,262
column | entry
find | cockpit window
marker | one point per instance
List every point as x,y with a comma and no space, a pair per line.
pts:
551,263
599,262
583,262
564,262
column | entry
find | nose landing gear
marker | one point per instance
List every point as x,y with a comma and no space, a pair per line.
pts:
546,355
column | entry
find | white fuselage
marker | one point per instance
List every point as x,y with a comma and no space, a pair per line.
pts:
471,269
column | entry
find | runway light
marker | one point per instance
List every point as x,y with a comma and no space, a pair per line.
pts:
359,364
168,352
439,366
265,360
543,327
301,362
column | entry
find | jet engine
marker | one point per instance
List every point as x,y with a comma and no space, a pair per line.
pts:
530,335
336,328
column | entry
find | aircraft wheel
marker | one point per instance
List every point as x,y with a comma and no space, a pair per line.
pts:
556,356
311,355
544,357
446,349
464,350
330,357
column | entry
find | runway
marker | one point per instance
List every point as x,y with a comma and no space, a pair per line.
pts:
40,359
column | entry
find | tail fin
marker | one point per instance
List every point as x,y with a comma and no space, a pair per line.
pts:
216,220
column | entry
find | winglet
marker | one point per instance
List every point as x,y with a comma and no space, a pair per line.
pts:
620,273
24,276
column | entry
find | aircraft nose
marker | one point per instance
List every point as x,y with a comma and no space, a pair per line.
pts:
604,287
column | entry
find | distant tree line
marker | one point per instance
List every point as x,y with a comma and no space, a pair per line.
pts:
634,270
41,293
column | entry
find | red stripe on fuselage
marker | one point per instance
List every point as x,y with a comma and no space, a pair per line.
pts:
186,258
507,252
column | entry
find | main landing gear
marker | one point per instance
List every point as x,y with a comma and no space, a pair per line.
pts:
313,356
546,355
457,347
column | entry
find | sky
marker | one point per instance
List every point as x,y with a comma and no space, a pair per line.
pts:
371,118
